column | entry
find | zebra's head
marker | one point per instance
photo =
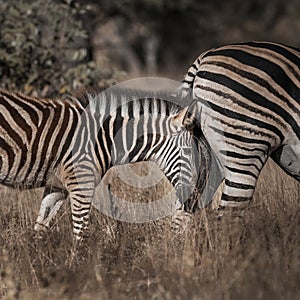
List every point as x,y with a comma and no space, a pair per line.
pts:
178,154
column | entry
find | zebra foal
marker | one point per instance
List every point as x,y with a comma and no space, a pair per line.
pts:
249,100
67,148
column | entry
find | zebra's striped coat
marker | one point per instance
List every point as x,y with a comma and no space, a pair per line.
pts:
249,104
67,148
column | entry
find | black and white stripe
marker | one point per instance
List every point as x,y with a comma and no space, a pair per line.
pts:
67,147
249,97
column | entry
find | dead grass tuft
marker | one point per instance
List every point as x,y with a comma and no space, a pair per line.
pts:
255,259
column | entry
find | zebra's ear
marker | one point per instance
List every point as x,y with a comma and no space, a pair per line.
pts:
188,116
192,115
178,120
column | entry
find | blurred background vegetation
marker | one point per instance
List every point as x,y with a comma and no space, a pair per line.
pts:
49,47
54,46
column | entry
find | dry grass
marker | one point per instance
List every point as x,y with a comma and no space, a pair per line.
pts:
258,259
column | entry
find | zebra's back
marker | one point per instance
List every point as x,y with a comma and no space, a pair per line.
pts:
32,135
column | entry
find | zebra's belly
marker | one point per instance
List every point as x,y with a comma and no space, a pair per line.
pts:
16,182
34,180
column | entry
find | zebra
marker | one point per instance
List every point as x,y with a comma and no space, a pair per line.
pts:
67,148
248,99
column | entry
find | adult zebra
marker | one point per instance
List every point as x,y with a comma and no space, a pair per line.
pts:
67,148
249,104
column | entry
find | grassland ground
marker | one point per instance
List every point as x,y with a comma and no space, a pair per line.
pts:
256,259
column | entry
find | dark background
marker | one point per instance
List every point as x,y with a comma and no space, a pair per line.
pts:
51,47
164,36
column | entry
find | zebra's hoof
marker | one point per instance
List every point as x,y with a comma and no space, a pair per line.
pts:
39,227
40,235
181,221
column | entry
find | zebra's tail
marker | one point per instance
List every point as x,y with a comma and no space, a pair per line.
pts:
186,88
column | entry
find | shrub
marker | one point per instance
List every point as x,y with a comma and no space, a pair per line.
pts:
43,45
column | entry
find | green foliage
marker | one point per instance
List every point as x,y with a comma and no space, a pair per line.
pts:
43,46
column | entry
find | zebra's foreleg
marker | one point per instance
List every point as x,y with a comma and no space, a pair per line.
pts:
51,203
81,197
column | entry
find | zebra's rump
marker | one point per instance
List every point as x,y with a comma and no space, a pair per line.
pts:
253,87
249,94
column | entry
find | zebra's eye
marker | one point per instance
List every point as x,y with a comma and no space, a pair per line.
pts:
186,150
179,131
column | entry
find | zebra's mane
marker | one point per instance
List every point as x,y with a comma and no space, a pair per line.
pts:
96,101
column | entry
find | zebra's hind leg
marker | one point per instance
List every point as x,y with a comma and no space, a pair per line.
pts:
51,203
241,174
236,196
239,185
